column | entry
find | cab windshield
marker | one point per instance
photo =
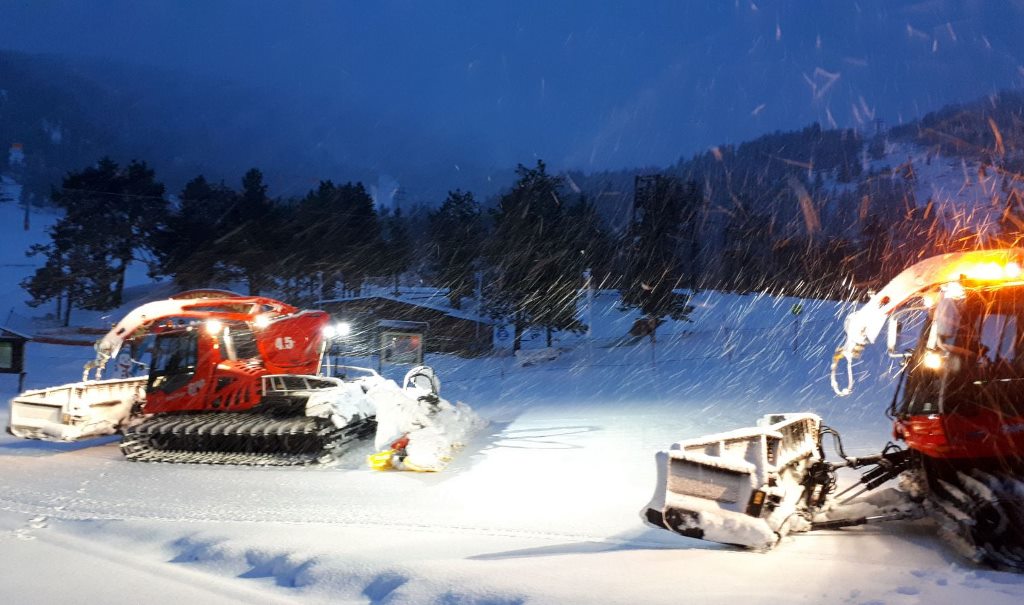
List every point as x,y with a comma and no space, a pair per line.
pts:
174,360
983,334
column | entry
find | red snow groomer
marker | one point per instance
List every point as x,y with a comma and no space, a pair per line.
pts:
958,407
232,379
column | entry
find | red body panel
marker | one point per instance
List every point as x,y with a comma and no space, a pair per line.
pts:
981,434
284,341
291,345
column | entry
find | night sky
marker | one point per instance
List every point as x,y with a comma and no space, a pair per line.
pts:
587,85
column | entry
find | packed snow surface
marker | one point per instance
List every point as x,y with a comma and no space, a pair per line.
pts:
541,506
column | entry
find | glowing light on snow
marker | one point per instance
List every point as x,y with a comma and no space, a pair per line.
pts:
214,326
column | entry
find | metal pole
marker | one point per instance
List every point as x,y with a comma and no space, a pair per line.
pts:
588,310
479,301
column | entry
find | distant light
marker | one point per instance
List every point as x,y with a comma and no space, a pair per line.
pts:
932,360
261,321
214,326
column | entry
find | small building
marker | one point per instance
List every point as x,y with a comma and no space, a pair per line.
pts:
12,351
448,330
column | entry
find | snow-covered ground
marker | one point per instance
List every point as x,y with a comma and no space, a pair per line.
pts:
542,507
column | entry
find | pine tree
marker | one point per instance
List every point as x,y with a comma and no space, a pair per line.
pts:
139,217
578,244
319,241
529,257
363,238
747,251
252,234
1011,222
336,235
110,216
187,248
588,239
455,244
875,245
76,272
657,245
398,251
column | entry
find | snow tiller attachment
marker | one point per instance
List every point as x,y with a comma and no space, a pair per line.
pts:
745,487
958,407
753,486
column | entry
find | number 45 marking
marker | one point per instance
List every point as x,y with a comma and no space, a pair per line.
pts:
284,342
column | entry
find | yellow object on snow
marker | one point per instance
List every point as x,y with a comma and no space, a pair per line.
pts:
409,466
381,461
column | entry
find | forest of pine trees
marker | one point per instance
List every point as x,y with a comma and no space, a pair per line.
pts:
715,222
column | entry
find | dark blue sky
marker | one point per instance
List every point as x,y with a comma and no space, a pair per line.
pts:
582,84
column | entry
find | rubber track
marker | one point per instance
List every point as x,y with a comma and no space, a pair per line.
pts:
982,515
239,438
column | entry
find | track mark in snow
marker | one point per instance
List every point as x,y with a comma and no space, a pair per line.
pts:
555,438
382,587
930,576
282,568
451,598
191,551
288,570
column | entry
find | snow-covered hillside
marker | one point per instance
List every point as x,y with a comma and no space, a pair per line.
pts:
962,190
543,507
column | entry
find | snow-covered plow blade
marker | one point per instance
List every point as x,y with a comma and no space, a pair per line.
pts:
743,487
75,411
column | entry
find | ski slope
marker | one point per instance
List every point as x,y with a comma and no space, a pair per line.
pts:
542,507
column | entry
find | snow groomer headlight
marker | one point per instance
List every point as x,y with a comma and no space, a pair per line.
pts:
337,330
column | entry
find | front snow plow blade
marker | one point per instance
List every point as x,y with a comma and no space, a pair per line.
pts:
744,487
79,410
